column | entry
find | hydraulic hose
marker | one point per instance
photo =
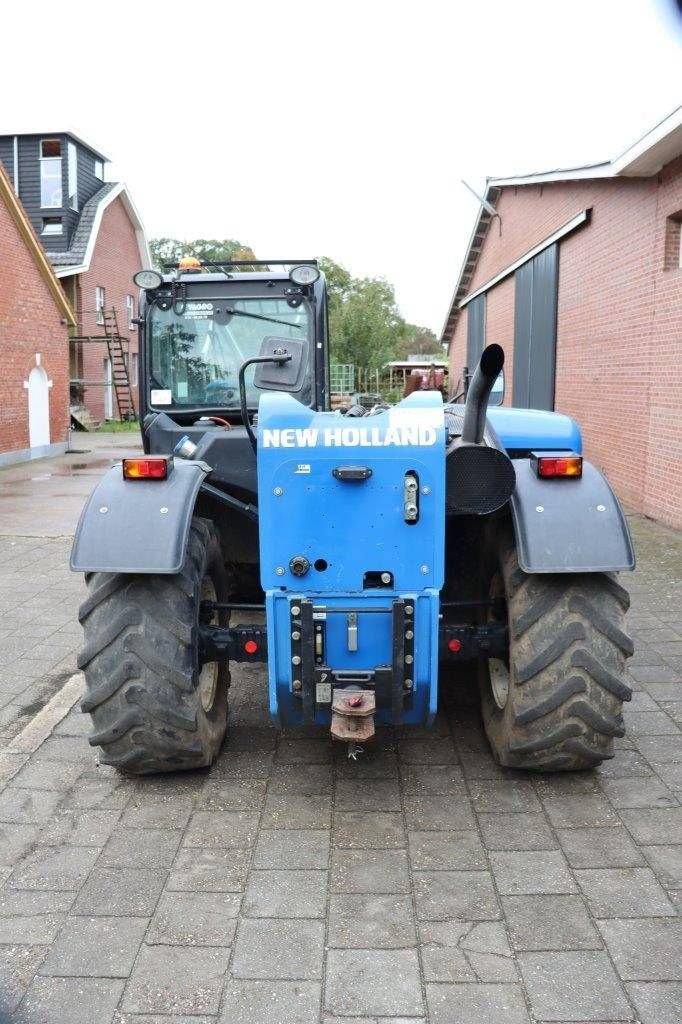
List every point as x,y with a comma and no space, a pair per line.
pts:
487,372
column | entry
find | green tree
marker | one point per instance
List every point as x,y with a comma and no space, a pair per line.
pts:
364,320
171,250
418,341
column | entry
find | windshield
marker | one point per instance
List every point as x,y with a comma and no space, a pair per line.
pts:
195,356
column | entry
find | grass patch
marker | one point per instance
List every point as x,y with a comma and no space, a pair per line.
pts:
118,427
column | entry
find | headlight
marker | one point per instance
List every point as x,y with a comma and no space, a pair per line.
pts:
148,279
305,274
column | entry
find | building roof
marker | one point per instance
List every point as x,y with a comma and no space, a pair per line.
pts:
644,158
77,259
53,135
25,228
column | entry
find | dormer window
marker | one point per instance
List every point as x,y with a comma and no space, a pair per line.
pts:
72,175
50,174
52,226
99,170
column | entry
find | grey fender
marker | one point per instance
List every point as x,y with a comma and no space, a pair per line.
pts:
137,526
568,525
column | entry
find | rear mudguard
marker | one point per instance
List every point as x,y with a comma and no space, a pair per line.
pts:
137,526
568,525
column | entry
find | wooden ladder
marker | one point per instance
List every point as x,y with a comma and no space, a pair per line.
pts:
120,376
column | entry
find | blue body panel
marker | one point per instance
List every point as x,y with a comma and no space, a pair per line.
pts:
528,429
350,528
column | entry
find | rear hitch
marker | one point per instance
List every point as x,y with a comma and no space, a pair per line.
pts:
353,716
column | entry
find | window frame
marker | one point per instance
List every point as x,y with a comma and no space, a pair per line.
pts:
57,222
130,309
99,305
44,160
98,169
72,170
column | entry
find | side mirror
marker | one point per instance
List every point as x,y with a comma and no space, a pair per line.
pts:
286,375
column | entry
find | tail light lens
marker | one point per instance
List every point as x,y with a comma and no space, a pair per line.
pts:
564,464
156,468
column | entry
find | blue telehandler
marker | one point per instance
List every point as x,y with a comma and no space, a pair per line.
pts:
362,555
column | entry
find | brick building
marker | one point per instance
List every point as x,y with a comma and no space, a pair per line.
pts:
95,241
35,317
578,275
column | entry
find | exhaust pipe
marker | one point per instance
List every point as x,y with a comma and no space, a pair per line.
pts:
479,478
488,370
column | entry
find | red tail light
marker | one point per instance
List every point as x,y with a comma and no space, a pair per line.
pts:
556,464
250,646
156,468
455,645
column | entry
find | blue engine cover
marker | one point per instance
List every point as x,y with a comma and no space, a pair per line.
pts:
535,429
349,528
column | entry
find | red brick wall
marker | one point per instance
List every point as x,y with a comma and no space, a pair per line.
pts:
29,324
115,260
619,333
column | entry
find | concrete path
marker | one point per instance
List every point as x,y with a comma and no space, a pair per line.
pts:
290,886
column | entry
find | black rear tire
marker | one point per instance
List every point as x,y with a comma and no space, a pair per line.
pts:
559,705
152,707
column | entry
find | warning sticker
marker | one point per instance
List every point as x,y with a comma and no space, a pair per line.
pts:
199,310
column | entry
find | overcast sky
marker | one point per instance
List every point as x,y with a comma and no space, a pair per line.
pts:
340,128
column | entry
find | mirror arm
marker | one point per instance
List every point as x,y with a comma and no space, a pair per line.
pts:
242,389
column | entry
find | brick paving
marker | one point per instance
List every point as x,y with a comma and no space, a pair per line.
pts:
290,886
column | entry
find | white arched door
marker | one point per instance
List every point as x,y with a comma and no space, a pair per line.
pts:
38,408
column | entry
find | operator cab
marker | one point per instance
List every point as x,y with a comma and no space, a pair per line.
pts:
201,323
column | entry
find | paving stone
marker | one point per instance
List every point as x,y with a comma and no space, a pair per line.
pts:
277,1002
176,979
579,811
278,949
376,762
243,764
97,793
468,895
132,892
671,775
574,986
49,775
456,951
16,841
649,723
476,1004
302,780
638,793
156,815
548,922
624,892
358,795
516,831
293,848
54,868
316,751
194,919
224,829
374,871
72,1000
661,749
99,947
433,778
285,894
438,811
446,851
646,949
657,1002
652,826
377,830
375,981
203,870
504,795
79,828
234,795
438,752
65,748
666,862
626,764
367,921
18,965
599,848
291,810
140,848
530,872
27,806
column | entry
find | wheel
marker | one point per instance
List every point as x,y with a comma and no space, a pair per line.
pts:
555,703
153,707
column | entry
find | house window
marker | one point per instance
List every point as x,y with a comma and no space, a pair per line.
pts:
130,307
133,372
50,173
673,241
99,170
99,304
52,226
72,169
